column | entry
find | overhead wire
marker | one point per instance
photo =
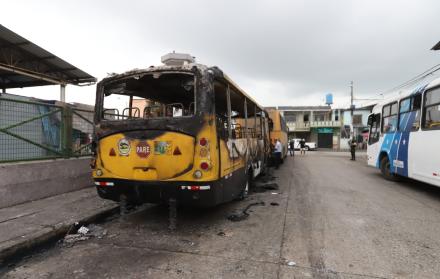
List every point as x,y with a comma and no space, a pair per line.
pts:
414,80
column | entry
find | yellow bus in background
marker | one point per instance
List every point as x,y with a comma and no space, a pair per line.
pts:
279,130
180,131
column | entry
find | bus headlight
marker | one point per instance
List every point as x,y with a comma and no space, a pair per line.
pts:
98,172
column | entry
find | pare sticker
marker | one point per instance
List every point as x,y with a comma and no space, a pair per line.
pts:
124,147
143,149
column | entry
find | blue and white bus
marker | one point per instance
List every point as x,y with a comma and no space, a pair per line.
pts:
404,135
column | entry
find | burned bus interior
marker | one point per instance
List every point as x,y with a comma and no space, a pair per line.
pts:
150,96
243,118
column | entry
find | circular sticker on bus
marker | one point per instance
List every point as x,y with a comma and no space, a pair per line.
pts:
143,149
124,147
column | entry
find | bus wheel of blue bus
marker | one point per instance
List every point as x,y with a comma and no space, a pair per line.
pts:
385,166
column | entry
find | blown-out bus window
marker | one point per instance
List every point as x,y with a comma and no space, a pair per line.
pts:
238,115
221,109
150,96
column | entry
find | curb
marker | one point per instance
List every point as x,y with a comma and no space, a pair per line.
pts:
47,237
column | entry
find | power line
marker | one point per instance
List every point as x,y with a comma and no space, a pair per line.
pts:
415,79
409,82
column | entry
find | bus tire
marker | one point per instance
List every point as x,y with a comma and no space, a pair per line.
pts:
247,186
263,171
386,171
123,205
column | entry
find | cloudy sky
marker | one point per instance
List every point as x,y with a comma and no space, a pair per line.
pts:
280,52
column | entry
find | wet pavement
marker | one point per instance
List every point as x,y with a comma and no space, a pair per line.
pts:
322,216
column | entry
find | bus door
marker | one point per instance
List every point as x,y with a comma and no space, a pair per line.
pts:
424,145
373,139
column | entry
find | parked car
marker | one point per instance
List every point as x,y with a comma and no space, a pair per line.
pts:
309,145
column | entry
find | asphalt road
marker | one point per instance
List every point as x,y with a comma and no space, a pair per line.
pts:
335,219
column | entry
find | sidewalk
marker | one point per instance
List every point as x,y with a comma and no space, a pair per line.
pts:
29,225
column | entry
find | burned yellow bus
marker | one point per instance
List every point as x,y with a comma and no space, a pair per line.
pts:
180,131
278,130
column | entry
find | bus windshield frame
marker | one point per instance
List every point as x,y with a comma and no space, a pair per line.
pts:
150,95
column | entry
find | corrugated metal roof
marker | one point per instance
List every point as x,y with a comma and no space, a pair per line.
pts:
24,64
436,47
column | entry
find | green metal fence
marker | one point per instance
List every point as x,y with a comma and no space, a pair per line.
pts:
36,130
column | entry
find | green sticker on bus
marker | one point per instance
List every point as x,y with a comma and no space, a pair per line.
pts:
162,147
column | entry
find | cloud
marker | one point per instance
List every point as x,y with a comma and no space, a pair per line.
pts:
280,52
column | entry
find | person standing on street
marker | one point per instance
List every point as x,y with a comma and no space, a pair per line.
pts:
277,153
302,145
353,144
292,148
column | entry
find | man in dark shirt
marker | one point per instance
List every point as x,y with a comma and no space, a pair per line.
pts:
302,145
292,148
353,144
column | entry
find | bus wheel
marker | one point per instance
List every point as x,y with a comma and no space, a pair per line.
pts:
386,171
245,192
263,169
123,205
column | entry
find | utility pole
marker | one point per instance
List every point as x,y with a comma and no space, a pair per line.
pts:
351,108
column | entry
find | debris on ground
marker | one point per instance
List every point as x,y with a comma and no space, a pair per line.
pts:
71,238
274,193
83,233
97,231
274,204
188,242
73,228
224,234
290,263
83,230
240,216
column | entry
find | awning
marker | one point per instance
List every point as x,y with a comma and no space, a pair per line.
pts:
24,64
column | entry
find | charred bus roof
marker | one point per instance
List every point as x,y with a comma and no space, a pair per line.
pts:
189,69
186,68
